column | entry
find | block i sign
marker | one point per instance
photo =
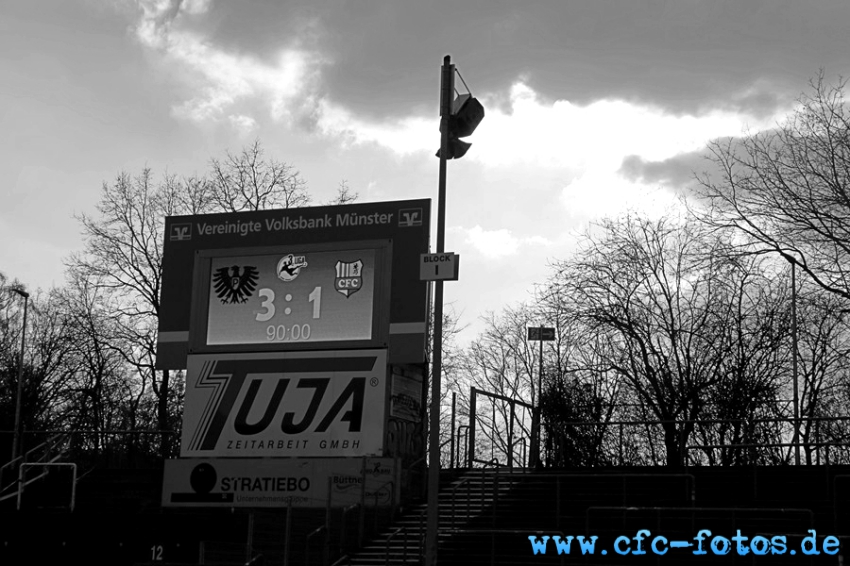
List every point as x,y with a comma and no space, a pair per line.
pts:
439,266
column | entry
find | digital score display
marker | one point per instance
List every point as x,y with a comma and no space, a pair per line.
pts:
292,298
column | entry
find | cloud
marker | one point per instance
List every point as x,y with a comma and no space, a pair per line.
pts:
522,129
563,134
243,124
499,243
403,137
676,172
603,146
604,192
224,78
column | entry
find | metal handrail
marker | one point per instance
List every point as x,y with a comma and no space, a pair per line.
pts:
309,536
18,461
494,532
733,510
387,545
454,497
375,495
344,530
254,560
466,481
459,443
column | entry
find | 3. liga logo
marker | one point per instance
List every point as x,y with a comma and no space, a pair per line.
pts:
290,266
349,277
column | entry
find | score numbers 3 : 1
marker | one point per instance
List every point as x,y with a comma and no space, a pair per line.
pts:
267,303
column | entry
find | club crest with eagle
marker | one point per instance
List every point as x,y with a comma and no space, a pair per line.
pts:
231,286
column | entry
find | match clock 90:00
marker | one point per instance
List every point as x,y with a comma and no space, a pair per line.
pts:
295,296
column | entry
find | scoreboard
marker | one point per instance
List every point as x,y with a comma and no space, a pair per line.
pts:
308,278
302,333
292,297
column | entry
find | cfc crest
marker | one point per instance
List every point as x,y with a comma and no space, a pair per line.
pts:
349,277
233,287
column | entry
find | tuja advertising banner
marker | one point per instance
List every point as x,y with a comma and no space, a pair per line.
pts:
285,404
260,482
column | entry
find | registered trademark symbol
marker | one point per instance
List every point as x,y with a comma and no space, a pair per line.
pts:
373,382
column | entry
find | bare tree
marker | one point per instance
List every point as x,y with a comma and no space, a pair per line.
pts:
752,337
344,195
502,362
786,189
46,357
658,295
122,259
249,181
824,367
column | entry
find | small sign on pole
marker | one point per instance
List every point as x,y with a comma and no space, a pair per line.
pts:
543,333
440,266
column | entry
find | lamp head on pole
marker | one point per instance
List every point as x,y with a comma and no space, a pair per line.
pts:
466,114
20,292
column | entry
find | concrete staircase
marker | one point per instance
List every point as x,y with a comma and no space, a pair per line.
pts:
472,497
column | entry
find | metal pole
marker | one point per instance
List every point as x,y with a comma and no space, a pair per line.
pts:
446,91
539,400
249,545
16,441
327,549
470,434
794,364
452,432
534,456
361,525
287,531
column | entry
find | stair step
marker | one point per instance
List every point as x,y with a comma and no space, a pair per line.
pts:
458,502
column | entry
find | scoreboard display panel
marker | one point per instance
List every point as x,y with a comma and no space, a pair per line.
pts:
293,297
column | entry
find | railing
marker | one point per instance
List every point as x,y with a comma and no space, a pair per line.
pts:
23,482
454,497
319,531
406,530
462,441
484,490
618,442
344,529
45,451
493,534
733,513
374,496
389,540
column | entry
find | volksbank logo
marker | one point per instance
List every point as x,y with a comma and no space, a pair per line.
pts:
409,217
181,232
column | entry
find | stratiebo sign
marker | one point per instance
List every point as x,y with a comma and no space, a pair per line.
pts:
285,404
313,482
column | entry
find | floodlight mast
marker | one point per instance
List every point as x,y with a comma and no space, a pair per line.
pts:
446,92
16,441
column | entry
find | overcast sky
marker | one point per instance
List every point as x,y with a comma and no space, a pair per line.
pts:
592,107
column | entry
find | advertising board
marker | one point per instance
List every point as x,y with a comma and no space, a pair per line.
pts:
301,482
285,404
406,398
351,273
